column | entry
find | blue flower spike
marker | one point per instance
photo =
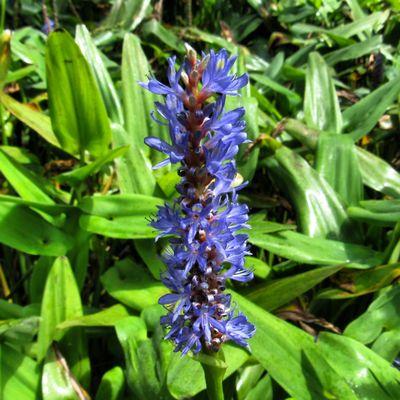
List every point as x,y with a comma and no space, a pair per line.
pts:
203,222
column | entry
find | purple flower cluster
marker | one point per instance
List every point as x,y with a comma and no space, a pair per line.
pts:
206,248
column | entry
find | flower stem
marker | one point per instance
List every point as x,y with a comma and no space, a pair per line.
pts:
214,370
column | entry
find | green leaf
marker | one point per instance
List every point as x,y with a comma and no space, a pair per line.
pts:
41,238
373,22
304,249
99,71
185,377
58,383
137,101
263,389
126,15
155,30
20,377
112,385
36,120
28,185
247,379
338,164
267,82
61,302
360,118
147,250
134,168
277,293
108,317
369,375
260,268
381,315
277,345
19,331
378,174
320,211
359,283
321,104
78,175
132,285
354,51
377,212
78,114
140,358
119,216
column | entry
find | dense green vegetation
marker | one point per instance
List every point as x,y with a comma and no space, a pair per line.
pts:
79,269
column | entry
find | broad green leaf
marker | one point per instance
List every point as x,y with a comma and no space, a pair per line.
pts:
321,104
277,293
263,389
369,375
377,212
360,118
19,331
382,314
354,51
376,173
126,14
373,22
112,385
119,216
78,175
338,164
207,37
140,358
320,211
61,302
122,205
99,71
148,251
125,227
260,225
28,185
77,111
19,375
153,29
388,345
304,249
260,268
57,383
247,163
41,238
20,73
267,82
36,120
48,208
277,345
134,168
37,280
132,285
185,376
359,283
107,317
20,155
137,101
247,379
28,44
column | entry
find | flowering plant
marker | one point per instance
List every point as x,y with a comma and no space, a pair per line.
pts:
206,248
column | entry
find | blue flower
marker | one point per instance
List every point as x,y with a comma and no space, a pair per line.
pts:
206,248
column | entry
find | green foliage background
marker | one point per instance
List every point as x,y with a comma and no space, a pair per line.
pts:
79,269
